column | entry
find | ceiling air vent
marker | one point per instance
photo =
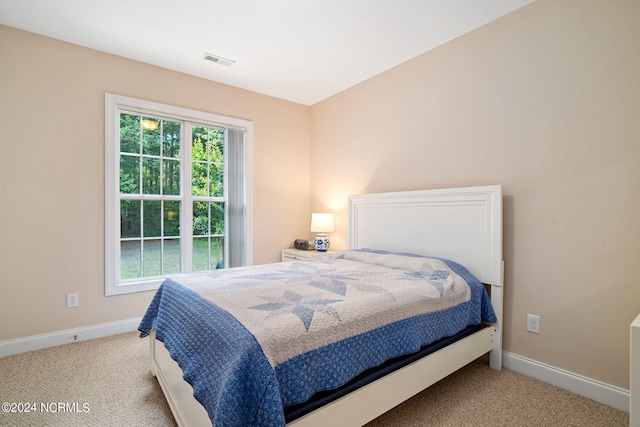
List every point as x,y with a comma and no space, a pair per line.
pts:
218,59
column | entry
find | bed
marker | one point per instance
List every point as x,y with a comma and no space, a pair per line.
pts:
459,231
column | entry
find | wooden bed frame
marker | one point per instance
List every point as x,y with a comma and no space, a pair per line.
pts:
461,224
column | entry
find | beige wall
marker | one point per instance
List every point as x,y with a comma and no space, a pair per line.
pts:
52,175
546,102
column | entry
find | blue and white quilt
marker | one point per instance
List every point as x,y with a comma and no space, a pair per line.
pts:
254,340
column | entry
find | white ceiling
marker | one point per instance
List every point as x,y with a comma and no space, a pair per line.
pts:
299,50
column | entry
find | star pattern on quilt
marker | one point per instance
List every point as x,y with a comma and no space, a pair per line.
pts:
436,278
320,277
299,305
332,281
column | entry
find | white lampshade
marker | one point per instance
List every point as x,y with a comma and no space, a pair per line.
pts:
322,222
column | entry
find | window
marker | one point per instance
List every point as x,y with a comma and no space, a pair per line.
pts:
177,192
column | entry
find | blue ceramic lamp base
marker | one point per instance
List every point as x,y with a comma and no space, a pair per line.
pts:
322,242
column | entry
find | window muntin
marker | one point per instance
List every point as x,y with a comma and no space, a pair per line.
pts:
165,168
150,196
207,189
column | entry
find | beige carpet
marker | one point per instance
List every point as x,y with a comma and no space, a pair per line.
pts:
106,382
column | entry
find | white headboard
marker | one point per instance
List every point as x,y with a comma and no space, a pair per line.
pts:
460,224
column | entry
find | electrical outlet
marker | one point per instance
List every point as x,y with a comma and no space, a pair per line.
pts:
72,300
533,323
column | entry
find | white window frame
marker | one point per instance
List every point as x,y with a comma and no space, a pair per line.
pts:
113,104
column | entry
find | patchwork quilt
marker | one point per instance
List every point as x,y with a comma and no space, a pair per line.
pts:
254,340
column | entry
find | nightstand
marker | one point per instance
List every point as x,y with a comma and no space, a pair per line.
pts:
292,254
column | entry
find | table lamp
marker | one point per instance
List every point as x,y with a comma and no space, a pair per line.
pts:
322,223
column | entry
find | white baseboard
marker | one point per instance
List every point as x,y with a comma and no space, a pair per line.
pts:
38,342
613,396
